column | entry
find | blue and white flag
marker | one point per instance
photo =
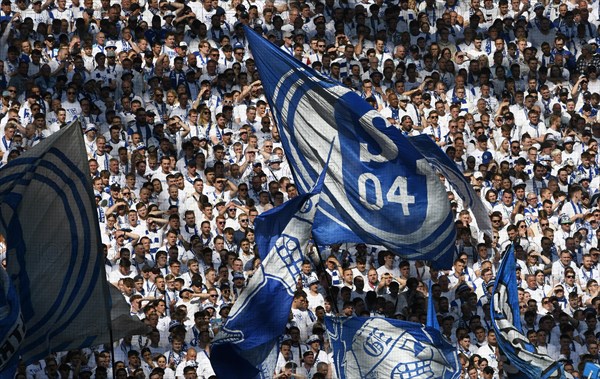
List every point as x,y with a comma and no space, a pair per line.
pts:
54,255
521,355
243,348
438,159
379,188
12,328
378,347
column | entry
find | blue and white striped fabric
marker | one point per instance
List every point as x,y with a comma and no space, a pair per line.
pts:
438,159
54,256
522,356
379,188
244,346
11,327
377,347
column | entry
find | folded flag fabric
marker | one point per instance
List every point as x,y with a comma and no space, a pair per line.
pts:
522,356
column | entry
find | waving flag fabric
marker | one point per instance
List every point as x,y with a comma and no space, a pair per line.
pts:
438,159
242,349
11,327
54,257
379,188
522,356
378,347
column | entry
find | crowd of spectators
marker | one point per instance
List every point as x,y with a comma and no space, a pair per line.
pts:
184,154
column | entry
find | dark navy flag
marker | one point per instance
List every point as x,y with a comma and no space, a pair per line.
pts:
378,347
521,355
244,346
54,255
123,324
12,328
379,188
438,159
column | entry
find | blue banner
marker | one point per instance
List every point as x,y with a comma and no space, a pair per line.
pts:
243,348
378,347
379,188
522,356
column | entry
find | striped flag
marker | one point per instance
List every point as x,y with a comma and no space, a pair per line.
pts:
379,188
54,257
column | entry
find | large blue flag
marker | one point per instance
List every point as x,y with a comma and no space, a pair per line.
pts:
522,356
438,159
54,257
377,347
243,348
379,188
